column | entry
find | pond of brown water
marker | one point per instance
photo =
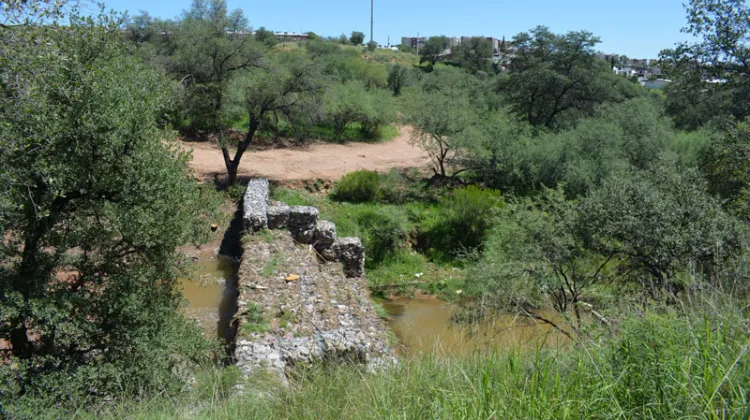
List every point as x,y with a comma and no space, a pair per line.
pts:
426,326
206,291
422,325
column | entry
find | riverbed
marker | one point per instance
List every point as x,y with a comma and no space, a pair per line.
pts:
421,325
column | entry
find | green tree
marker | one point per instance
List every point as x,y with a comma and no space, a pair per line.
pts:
619,138
433,48
661,222
343,105
348,103
497,152
475,54
377,112
727,166
552,75
205,49
439,120
398,78
265,37
139,27
283,89
95,201
537,256
357,38
711,77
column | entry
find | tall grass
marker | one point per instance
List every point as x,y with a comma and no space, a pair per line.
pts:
656,367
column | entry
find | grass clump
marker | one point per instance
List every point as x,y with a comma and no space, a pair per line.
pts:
383,231
657,365
357,187
461,222
255,321
270,266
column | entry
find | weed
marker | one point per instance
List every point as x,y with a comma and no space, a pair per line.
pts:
269,268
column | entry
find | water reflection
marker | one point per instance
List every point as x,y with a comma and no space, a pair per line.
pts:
211,293
425,325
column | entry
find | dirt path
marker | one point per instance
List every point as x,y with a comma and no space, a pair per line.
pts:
318,161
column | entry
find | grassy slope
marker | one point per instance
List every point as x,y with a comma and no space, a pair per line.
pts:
661,367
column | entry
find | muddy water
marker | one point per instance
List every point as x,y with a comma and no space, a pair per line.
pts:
421,325
425,325
208,290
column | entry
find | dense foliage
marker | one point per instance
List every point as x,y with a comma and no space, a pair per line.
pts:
711,75
96,198
554,184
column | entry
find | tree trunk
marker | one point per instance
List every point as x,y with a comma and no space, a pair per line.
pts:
233,164
231,173
19,340
23,283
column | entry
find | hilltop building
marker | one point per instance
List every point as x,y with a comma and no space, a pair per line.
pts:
416,43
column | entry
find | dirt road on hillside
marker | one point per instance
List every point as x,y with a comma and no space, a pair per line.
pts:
317,161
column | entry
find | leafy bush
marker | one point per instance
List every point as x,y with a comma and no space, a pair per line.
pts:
402,188
383,230
464,218
377,112
357,187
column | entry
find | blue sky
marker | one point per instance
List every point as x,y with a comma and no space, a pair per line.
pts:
636,29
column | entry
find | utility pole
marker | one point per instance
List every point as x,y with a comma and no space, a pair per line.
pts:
372,18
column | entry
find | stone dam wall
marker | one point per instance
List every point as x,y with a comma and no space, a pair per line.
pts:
303,297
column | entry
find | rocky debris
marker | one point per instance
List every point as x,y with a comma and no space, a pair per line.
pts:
351,253
325,234
255,205
302,223
278,216
281,353
322,316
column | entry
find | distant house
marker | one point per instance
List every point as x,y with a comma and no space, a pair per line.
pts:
656,84
414,42
493,41
608,57
625,71
637,63
291,36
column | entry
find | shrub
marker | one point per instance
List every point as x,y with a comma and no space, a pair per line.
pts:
377,112
357,187
383,230
463,219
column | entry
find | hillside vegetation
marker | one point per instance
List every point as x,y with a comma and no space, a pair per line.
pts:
553,184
